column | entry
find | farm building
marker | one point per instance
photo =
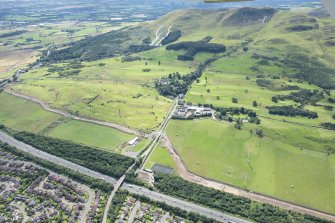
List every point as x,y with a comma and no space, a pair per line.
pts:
133,142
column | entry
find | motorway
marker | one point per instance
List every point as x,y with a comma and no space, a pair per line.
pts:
54,159
187,206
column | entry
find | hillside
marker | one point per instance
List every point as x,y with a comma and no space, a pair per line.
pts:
299,43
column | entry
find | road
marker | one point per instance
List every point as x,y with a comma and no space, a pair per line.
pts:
54,159
131,188
45,106
148,152
110,198
185,205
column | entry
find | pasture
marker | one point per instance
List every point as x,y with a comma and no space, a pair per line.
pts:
24,115
98,136
218,151
128,104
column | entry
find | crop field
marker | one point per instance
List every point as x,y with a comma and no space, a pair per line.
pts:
218,151
89,134
160,156
24,115
127,104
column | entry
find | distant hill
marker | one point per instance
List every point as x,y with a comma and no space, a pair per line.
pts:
247,16
138,38
297,43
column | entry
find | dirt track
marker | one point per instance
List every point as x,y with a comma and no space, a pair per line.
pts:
45,106
185,174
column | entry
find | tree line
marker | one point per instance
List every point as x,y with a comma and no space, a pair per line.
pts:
291,111
111,164
303,96
229,203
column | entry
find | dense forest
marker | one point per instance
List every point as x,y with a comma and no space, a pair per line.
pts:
175,84
172,37
111,164
192,48
107,45
236,205
74,175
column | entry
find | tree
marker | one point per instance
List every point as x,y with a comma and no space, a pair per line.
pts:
217,97
208,90
234,100
260,133
254,104
275,99
159,62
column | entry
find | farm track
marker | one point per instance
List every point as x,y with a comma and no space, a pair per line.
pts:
45,106
185,174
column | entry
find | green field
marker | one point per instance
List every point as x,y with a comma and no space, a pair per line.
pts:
161,156
128,104
24,115
262,165
93,135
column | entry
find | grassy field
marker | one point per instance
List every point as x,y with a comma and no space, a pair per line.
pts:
99,136
160,156
263,165
127,104
24,115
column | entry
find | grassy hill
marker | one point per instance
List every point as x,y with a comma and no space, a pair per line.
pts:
297,42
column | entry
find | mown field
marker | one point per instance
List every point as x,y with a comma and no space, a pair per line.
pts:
24,115
262,165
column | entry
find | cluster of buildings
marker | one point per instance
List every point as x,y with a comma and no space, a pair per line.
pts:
184,111
48,197
134,211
